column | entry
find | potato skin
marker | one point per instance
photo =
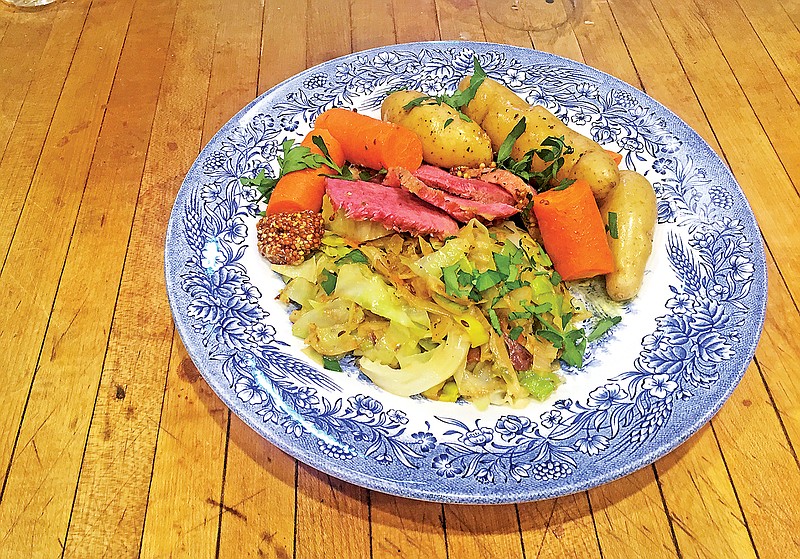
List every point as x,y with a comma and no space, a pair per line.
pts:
456,144
634,202
497,109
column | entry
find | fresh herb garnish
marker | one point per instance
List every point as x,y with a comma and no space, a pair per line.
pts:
355,256
295,158
458,99
552,152
342,172
328,282
612,225
331,364
603,326
447,123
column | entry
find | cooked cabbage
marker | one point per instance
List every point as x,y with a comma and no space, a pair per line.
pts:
436,317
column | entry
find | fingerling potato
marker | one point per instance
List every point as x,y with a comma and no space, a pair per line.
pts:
497,109
447,139
633,202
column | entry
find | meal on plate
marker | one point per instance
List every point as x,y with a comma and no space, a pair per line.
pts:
436,244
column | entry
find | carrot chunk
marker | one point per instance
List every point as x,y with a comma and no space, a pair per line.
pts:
303,190
371,142
573,232
617,157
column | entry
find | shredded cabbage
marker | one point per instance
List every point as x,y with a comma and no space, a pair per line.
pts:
438,317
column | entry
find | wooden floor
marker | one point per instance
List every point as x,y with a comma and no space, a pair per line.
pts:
111,445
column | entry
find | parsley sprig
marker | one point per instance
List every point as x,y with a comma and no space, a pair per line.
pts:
296,157
552,152
458,99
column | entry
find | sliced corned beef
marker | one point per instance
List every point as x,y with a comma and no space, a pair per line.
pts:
394,208
474,189
511,183
461,209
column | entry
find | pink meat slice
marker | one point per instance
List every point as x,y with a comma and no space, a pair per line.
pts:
394,208
473,189
461,209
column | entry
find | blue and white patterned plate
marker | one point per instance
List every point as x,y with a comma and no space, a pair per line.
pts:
683,345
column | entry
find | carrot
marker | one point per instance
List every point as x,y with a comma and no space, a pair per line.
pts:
371,142
573,232
303,190
617,157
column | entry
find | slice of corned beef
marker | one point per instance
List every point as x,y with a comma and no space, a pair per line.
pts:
511,183
394,208
461,209
474,189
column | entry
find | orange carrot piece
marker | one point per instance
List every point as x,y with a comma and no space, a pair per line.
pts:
573,232
371,142
303,190
617,157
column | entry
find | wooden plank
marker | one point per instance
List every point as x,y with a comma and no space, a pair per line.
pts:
728,113
459,20
778,28
283,51
32,270
415,21
332,516
41,481
602,44
706,514
21,47
329,26
496,32
111,499
629,514
183,514
260,497
259,479
405,528
559,528
765,87
659,69
183,510
471,532
371,24
24,146
703,507
763,467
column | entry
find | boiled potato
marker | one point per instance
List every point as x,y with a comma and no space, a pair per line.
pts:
447,139
634,203
497,109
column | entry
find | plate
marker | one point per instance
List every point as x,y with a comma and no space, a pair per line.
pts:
681,348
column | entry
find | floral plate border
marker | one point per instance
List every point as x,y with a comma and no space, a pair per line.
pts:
701,309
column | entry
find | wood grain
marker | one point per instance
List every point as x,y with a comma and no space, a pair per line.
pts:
559,528
332,517
415,21
34,119
187,502
260,480
35,260
473,532
405,528
44,471
629,514
112,494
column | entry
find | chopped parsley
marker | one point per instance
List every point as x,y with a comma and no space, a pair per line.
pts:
458,99
612,225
